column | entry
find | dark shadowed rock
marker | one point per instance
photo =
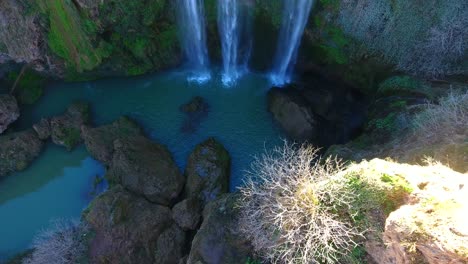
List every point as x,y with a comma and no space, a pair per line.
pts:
43,129
146,168
187,214
129,229
207,171
9,111
66,129
196,105
170,246
217,240
17,150
196,110
293,114
99,141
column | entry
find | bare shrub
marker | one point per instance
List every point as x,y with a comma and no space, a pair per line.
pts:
289,207
443,121
59,244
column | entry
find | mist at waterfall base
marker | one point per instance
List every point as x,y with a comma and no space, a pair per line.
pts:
234,27
58,183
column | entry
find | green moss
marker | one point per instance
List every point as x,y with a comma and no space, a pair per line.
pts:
29,88
404,86
72,137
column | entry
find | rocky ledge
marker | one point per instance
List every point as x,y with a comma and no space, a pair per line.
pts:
9,111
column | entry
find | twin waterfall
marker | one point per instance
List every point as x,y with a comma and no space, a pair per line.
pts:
234,26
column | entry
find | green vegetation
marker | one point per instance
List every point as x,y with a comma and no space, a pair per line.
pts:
29,87
404,85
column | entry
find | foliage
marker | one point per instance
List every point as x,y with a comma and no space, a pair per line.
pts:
405,85
29,88
289,207
64,242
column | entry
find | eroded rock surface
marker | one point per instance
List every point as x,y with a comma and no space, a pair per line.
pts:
17,150
66,129
9,111
187,213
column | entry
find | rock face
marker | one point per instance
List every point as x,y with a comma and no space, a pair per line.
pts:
129,229
217,240
207,171
9,111
187,214
293,114
100,141
43,129
146,168
66,129
17,150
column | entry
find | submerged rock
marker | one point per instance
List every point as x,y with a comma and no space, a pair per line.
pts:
17,150
207,171
293,114
146,168
66,129
130,229
9,111
196,109
99,141
217,240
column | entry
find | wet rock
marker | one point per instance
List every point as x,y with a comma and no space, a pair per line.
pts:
43,129
129,229
207,171
66,129
170,246
217,240
99,141
291,111
197,110
146,168
9,111
17,150
187,214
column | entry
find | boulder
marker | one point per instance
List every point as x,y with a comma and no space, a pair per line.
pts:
9,111
17,150
207,171
187,213
293,114
66,129
217,240
99,141
43,129
170,246
129,229
146,168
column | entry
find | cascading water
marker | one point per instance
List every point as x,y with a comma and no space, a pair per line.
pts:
295,17
233,25
191,20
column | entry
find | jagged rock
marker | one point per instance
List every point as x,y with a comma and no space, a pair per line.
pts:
99,141
217,240
146,168
170,246
293,114
66,129
196,105
207,171
129,229
187,214
17,150
9,111
43,129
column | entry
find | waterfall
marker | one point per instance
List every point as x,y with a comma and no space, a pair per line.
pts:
295,17
191,22
233,26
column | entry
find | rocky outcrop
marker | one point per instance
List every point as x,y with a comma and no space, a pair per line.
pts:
66,129
17,150
9,111
129,229
217,240
293,114
146,168
207,171
187,214
99,141
43,129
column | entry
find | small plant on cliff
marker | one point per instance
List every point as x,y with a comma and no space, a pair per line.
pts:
63,242
294,207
